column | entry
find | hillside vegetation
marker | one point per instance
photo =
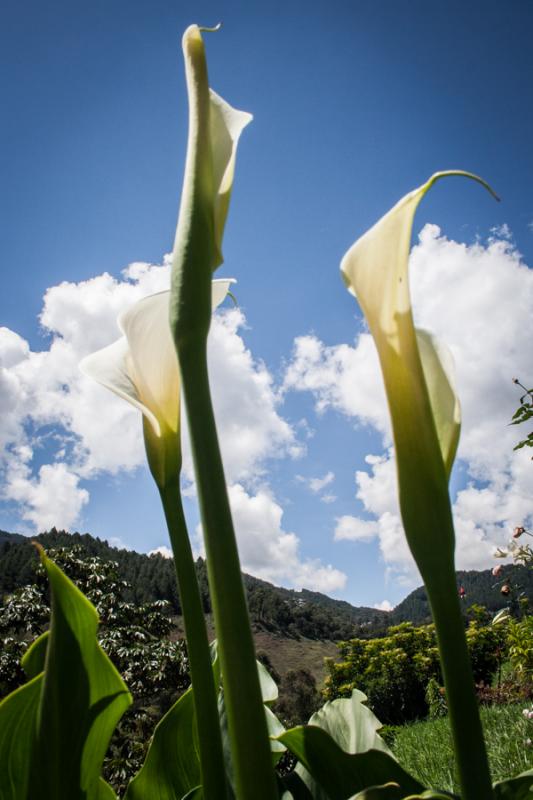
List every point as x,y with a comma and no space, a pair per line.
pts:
275,610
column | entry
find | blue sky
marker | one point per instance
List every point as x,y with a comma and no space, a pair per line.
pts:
354,103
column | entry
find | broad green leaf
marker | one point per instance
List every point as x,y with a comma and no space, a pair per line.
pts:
269,693
103,791
194,794
351,724
172,766
275,729
519,788
33,660
431,794
18,715
341,775
56,728
269,689
292,787
81,701
389,791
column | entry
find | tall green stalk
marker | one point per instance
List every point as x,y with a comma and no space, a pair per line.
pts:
469,743
214,130
204,689
251,755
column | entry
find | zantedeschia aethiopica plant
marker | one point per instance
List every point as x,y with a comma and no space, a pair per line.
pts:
142,368
425,421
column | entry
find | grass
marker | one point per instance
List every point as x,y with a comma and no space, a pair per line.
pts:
425,750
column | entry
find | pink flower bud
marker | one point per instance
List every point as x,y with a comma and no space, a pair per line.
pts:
518,531
506,589
496,571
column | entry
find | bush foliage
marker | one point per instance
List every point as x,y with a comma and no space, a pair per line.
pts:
394,671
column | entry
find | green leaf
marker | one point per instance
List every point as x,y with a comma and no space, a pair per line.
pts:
389,791
81,699
194,794
292,787
18,714
103,791
56,728
269,689
275,729
269,693
340,775
33,659
351,724
519,788
172,766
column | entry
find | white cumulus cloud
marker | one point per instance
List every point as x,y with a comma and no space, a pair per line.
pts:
96,433
270,552
478,299
355,529
385,605
163,550
317,486
86,432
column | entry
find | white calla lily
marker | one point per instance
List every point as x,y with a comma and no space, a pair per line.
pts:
214,131
417,371
142,368
424,409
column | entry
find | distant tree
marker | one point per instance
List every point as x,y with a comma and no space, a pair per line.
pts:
299,697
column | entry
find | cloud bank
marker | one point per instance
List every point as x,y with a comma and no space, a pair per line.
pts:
53,413
478,299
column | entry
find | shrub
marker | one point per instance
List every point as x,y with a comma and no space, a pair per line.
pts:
394,671
520,639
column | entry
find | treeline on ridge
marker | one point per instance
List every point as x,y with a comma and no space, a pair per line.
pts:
291,613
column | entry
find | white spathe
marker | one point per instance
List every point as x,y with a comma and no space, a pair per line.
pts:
214,131
142,366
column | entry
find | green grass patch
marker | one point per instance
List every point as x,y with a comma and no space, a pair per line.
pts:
425,749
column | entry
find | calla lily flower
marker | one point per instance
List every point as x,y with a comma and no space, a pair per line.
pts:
142,368
425,421
214,131
418,376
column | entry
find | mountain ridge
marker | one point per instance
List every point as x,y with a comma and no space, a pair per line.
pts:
277,610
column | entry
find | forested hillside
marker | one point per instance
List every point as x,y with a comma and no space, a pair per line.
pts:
481,588
276,610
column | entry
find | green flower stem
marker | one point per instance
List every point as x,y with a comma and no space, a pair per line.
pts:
204,690
469,744
252,763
